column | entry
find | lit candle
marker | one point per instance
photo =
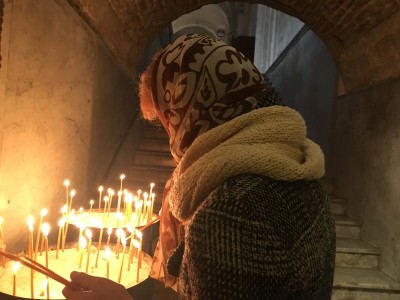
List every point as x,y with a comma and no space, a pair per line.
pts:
123,241
66,183
72,195
16,267
139,253
99,244
44,287
43,213
110,195
100,191
105,206
45,231
131,229
107,257
119,200
119,233
137,245
64,213
128,201
153,196
82,243
144,212
30,222
89,236
61,223
122,177
109,231
91,205
81,229
138,206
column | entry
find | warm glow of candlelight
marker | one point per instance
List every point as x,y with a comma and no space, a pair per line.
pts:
45,229
107,256
122,177
16,266
64,209
30,222
72,193
101,189
66,182
43,212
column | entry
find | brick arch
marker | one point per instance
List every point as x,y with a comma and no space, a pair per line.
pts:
362,35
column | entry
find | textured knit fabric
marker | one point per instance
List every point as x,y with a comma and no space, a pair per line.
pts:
258,238
268,141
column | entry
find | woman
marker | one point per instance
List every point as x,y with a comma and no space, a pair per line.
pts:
244,215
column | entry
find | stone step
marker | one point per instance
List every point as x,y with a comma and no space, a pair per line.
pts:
366,284
347,227
356,254
153,158
338,205
154,145
152,173
155,133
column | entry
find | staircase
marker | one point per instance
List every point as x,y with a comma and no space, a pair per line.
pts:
357,273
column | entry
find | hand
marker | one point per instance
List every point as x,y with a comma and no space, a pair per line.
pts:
94,288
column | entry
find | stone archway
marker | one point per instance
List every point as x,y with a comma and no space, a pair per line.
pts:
362,36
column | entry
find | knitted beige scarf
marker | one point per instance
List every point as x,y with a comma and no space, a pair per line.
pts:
269,141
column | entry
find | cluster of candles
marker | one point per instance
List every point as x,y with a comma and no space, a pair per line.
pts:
132,212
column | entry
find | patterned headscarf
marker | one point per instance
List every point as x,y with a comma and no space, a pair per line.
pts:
198,83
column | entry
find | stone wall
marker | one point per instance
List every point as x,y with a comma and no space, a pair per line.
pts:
367,166
63,101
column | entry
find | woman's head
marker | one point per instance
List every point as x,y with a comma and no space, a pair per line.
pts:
195,84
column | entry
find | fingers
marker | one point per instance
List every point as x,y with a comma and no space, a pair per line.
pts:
78,295
85,281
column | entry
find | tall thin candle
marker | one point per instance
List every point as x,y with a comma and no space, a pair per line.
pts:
109,231
89,236
45,230
30,222
100,191
107,257
99,244
123,241
91,202
16,267
61,223
43,213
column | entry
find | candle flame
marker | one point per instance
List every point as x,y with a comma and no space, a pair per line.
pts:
136,244
106,198
44,284
66,182
145,196
61,222
72,193
139,192
148,202
129,198
88,234
109,230
152,184
119,193
45,229
111,192
43,212
122,177
30,223
139,234
81,209
91,202
123,239
101,188
16,266
107,253
119,232
153,195
83,242
64,209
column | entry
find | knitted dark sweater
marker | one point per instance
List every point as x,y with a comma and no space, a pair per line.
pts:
257,238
